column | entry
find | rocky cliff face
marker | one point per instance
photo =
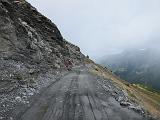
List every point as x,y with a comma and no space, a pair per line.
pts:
30,40
27,36
32,51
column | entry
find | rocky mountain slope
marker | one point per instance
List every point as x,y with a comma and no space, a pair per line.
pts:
30,43
44,77
32,53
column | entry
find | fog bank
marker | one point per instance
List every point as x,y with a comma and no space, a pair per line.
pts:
101,27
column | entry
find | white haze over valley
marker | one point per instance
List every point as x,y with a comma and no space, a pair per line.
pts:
101,27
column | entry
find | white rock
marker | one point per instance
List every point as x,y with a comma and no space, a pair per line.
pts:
120,98
30,34
18,99
11,118
1,118
24,23
125,93
123,103
31,94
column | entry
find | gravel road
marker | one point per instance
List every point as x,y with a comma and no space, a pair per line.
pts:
77,96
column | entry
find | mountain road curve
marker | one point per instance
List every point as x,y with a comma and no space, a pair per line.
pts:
77,96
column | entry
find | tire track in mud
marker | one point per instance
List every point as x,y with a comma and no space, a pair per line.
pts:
66,104
58,106
98,104
46,101
95,105
71,100
91,106
36,97
51,110
87,106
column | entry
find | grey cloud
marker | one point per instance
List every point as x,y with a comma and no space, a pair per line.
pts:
101,27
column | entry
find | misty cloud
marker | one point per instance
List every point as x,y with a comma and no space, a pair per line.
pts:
101,27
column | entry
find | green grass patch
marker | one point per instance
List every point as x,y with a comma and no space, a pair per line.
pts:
148,88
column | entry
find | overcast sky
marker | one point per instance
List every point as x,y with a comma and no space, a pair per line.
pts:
101,27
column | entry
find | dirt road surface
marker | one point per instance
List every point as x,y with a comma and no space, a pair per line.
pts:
77,96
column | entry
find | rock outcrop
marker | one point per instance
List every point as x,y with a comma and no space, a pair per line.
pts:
28,40
27,36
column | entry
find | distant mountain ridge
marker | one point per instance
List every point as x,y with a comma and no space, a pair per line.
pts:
136,66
